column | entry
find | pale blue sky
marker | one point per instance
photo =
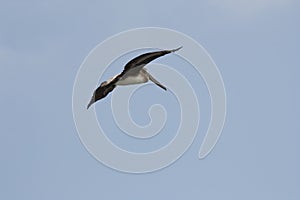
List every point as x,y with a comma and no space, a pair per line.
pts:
255,44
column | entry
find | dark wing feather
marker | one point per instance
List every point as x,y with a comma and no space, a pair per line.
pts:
136,64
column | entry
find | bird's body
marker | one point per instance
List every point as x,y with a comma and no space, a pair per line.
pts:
133,73
141,77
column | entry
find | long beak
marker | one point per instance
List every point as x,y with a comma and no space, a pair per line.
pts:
91,102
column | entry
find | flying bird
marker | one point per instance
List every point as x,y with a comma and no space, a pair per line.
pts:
133,73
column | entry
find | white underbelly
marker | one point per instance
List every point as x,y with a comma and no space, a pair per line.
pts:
129,80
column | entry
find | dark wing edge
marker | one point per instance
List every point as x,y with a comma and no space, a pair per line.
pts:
141,60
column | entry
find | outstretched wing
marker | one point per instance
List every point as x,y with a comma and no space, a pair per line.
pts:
136,64
102,91
156,81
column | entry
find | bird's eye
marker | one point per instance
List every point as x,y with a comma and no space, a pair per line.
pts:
103,83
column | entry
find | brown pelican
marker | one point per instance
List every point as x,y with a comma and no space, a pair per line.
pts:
133,73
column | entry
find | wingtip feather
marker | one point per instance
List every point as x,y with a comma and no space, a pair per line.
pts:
173,50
